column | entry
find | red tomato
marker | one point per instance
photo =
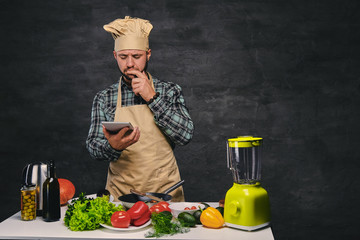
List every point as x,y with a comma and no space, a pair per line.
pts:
193,208
167,209
159,208
163,203
120,219
187,208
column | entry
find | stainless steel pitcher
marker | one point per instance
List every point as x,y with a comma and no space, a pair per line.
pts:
36,173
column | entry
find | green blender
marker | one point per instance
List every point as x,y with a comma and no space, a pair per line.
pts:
247,204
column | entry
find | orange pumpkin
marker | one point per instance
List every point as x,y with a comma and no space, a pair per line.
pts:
67,190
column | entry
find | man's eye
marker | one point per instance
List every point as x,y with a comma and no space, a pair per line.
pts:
123,57
136,56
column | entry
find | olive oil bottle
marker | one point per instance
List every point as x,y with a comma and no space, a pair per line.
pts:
51,195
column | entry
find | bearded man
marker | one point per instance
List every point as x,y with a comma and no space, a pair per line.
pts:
141,158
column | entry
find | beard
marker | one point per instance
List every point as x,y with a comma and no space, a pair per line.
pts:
128,78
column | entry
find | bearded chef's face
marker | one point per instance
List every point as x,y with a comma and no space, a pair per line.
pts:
132,60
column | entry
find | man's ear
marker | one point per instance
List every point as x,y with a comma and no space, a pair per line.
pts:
148,54
115,56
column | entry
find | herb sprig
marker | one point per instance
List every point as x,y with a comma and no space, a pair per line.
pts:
164,224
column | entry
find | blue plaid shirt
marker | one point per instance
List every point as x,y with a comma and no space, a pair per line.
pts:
170,115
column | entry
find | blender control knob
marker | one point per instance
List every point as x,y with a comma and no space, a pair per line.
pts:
234,208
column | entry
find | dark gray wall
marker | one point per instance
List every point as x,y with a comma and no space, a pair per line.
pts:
284,70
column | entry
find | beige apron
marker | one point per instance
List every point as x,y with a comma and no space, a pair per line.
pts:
148,165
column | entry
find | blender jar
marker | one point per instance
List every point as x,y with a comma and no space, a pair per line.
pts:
244,159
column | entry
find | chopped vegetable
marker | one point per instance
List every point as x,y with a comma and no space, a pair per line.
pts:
212,218
164,224
86,213
120,219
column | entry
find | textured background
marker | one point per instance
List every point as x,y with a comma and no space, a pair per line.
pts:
284,70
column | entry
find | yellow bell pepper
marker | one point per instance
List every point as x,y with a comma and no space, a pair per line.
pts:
212,218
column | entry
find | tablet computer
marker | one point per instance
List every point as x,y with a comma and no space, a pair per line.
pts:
116,126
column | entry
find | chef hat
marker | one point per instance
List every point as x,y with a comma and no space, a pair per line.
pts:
130,33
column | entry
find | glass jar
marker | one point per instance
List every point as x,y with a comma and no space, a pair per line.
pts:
28,202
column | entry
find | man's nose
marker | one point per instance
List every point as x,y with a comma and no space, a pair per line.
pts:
129,62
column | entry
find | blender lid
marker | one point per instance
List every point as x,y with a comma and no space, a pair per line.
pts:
245,142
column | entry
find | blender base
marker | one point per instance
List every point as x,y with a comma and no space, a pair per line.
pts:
247,228
247,207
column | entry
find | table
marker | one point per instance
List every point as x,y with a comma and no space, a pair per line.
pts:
15,228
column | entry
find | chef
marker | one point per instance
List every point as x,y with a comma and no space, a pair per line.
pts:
141,158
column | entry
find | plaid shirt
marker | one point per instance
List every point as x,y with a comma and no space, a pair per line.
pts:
170,115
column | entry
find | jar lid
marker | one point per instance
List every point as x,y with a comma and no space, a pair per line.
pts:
245,142
28,187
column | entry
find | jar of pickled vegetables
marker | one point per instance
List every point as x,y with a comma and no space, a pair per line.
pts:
28,202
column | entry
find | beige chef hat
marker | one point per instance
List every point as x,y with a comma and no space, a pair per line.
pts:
130,33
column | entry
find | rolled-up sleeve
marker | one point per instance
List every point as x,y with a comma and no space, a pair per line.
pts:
172,116
96,143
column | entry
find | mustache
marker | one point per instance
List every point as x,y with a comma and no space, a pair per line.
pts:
130,69
127,76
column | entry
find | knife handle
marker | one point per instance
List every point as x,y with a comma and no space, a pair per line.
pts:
137,192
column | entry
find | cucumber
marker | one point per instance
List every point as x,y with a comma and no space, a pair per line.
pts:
186,219
197,215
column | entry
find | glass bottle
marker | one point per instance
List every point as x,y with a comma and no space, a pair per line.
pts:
51,195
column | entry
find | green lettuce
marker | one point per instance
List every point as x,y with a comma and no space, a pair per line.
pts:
87,213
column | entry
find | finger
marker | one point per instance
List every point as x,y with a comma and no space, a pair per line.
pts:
138,82
137,136
136,87
131,139
132,136
137,73
122,132
106,133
